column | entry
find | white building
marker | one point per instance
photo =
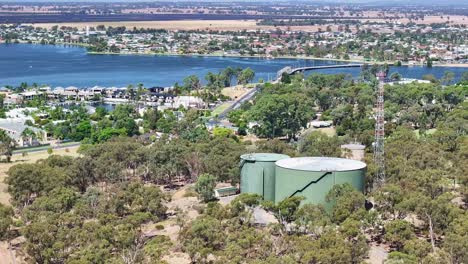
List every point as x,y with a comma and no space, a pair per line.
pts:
15,130
188,102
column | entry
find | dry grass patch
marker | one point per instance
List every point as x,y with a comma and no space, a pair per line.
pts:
235,92
170,25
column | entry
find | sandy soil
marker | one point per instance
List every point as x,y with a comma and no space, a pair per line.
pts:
171,229
7,257
30,158
186,204
377,254
177,258
235,92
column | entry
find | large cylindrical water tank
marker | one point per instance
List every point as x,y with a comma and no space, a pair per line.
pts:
314,177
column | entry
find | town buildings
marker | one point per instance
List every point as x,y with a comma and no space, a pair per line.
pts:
411,44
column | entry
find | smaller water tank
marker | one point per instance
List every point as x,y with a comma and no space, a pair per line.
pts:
258,173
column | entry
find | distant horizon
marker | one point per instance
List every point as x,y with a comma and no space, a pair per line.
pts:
374,2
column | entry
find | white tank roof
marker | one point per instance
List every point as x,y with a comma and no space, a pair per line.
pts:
263,156
353,146
320,164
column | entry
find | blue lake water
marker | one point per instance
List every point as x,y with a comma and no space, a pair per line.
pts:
72,66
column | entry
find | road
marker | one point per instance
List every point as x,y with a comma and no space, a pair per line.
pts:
246,97
44,148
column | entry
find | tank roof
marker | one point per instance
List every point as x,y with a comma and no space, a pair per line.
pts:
263,156
353,146
320,164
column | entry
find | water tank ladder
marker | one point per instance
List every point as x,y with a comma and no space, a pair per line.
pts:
310,183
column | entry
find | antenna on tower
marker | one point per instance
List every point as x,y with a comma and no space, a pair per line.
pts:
379,154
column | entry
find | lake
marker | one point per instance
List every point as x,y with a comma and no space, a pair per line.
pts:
71,66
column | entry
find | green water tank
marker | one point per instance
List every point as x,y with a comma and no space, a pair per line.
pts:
258,173
314,177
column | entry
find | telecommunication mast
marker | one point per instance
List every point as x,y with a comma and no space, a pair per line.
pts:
379,154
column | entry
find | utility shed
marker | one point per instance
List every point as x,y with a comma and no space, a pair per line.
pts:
226,191
314,177
258,173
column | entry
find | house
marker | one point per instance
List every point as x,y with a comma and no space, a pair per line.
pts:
319,124
408,81
13,99
212,124
5,91
23,135
188,102
20,114
156,89
29,95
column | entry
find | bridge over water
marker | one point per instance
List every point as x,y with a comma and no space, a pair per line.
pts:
290,70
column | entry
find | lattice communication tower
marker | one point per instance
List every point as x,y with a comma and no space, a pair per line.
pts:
379,153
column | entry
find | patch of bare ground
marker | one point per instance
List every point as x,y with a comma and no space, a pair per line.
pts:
458,200
414,220
182,202
170,230
12,256
235,91
251,138
177,258
377,253
6,256
179,202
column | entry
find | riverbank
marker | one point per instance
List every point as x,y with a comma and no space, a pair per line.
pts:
83,45
458,65
461,65
239,56
301,57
